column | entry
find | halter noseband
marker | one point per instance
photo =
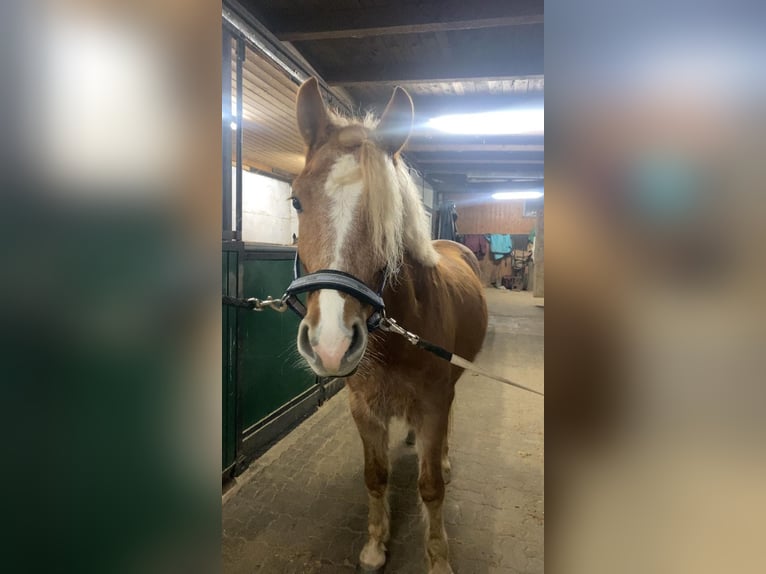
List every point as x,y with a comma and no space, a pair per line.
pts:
338,281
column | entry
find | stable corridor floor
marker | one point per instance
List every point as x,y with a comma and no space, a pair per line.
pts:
302,507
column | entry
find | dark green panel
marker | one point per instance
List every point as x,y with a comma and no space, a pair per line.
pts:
229,266
271,371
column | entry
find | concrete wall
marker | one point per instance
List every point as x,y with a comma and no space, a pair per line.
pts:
267,214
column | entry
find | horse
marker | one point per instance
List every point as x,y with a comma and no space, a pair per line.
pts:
359,212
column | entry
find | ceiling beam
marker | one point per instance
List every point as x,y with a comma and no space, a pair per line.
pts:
339,91
483,156
315,30
298,24
480,162
450,147
484,170
490,187
453,98
495,54
369,78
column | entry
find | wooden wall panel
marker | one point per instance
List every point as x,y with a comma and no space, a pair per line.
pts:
492,271
486,215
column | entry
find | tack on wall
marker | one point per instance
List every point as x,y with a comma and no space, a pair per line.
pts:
482,214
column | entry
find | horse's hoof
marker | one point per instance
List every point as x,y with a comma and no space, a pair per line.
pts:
363,568
441,567
372,558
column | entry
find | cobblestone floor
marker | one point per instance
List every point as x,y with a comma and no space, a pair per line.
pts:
302,507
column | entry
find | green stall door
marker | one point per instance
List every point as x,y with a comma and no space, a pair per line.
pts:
271,373
230,265
267,388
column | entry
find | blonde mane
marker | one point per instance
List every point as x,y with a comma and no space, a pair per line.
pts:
397,219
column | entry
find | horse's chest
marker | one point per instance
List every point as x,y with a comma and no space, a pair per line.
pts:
389,397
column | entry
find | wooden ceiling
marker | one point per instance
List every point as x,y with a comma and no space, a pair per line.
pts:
452,56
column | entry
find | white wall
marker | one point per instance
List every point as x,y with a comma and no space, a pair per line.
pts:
267,214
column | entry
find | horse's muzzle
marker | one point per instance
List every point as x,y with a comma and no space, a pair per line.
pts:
338,357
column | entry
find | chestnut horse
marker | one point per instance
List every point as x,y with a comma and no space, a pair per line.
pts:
360,213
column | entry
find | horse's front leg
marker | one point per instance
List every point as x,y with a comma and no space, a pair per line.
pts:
374,435
432,437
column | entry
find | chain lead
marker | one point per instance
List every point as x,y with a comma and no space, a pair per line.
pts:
392,326
279,305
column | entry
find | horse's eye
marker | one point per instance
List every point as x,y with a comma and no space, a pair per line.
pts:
297,204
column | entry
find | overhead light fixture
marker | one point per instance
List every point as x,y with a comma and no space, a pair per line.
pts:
502,122
522,194
506,175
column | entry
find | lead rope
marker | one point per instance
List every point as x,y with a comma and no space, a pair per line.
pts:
389,325
385,324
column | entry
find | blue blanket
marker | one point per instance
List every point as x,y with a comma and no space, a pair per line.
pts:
499,244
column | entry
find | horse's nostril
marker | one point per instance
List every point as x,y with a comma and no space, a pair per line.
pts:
357,340
355,337
303,340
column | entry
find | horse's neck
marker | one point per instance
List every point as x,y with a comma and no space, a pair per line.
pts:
403,290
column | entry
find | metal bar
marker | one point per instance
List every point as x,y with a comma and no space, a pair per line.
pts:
245,24
240,60
264,42
285,178
239,414
226,131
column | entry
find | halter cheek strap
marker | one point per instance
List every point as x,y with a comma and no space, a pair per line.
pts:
338,281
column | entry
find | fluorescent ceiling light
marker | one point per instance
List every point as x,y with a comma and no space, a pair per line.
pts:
526,194
504,175
503,122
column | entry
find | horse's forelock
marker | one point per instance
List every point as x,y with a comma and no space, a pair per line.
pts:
352,136
385,207
396,217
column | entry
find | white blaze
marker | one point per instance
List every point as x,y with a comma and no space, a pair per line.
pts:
343,189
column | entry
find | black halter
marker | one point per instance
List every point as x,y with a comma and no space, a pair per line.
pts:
339,281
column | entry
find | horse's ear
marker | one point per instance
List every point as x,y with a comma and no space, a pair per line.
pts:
313,119
395,125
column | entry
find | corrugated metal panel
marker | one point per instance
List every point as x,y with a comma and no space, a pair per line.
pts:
271,139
